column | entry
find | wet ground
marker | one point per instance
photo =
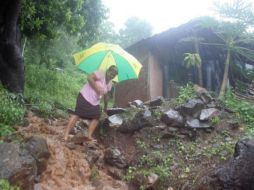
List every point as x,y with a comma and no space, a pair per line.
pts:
179,160
68,169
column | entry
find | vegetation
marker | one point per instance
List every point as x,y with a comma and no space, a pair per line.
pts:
194,59
52,83
5,185
135,29
175,160
244,111
185,93
233,31
11,111
49,91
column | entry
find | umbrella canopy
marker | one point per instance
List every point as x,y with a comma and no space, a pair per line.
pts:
102,55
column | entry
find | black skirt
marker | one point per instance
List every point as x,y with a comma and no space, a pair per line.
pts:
86,110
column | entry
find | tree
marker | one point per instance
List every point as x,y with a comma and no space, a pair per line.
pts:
75,18
11,61
135,29
107,33
233,33
39,20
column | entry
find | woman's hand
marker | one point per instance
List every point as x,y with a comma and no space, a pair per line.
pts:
99,90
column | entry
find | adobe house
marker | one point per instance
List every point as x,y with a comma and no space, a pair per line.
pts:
162,58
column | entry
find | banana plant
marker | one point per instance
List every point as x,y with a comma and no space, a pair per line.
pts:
193,60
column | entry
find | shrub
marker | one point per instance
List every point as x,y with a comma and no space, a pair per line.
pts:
48,90
5,185
11,111
243,110
185,93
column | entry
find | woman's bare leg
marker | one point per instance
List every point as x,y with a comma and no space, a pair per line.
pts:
72,121
92,126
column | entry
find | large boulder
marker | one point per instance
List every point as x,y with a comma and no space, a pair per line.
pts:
114,157
191,108
17,166
173,118
38,149
141,119
196,124
22,164
237,174
207,114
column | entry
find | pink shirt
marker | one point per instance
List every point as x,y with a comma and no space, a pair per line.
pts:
89,93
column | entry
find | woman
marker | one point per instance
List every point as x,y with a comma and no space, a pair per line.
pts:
87,105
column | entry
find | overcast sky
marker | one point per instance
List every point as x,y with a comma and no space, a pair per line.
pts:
161,14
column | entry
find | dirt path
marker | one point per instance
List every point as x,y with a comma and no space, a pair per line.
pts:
67,169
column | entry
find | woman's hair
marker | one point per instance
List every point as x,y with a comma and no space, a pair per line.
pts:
113,67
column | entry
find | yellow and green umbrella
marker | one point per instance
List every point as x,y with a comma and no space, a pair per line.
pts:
102,55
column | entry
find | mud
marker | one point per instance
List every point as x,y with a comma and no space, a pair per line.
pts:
67,169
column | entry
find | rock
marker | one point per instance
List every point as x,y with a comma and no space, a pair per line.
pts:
207,114
157,146
115,173
136,103
147,113
114,157
192,108
211,105
78,139
156,102
37,186
113,111
148,183
202,93
172,118
75,130
17,166
152,180
141,119
92,155
251,92
196,124
38,148
115,120
79,127
237,174
161,126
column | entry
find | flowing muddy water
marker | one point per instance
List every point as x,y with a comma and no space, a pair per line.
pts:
67,169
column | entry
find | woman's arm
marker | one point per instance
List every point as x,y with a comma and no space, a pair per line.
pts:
92,81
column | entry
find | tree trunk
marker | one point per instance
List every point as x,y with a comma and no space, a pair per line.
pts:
225,76
11,61
200,74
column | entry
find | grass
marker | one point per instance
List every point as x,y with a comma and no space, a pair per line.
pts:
49,91
244,111
180,161
11,112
